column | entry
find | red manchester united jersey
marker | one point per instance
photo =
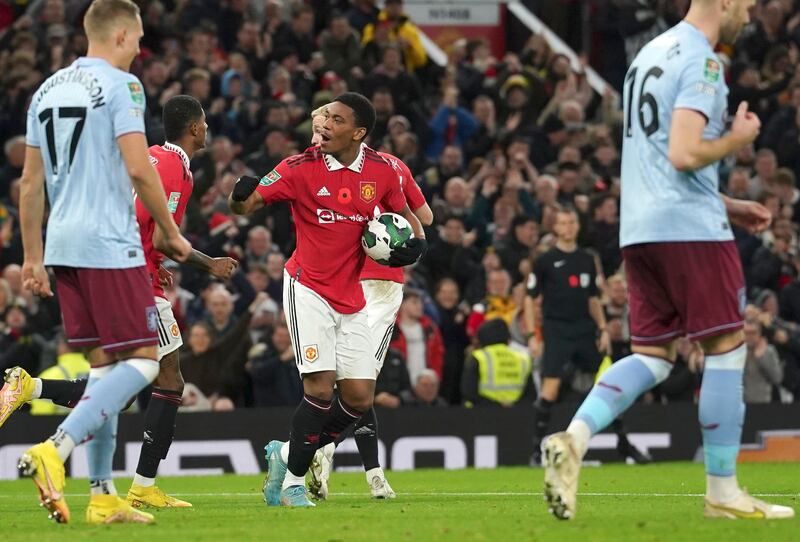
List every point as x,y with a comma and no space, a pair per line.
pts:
172,165
331,204
373,270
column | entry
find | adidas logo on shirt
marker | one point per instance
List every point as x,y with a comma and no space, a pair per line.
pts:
323,192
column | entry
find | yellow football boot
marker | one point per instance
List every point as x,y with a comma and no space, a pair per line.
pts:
105,509
153,497
17,390
44,466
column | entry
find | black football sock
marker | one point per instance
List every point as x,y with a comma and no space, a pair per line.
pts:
341,417
159,430
541,420
65,393
366,435
307,423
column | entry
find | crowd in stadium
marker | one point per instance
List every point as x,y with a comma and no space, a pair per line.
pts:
497,145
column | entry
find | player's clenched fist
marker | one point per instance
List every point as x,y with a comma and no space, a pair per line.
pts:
224,267
746,125
245,185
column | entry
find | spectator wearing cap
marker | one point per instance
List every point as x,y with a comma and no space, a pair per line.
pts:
451,125
402,32
518,114
417,337
425,392
496,374
298,33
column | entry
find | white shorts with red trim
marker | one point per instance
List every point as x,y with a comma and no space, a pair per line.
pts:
325,339
169,334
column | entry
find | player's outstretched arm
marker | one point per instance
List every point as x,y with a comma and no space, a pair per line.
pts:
221,268
31,214
244,199
147,183
688,151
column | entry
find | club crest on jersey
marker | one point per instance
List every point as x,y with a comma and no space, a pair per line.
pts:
711,70
368,191
271,177
136,92
172,201
151,313
310,353
176,332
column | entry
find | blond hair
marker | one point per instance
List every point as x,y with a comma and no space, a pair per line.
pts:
322,110
105,16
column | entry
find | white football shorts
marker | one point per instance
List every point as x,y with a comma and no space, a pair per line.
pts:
325,339
383,301
169,334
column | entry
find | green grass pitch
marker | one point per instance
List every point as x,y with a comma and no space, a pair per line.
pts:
660,502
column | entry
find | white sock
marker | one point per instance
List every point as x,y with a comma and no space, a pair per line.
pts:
372,473
722,489
285,452
63,443
140,480
329,449
580,431
103,487
292,480
37,388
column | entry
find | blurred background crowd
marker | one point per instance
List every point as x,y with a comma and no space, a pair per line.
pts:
497,144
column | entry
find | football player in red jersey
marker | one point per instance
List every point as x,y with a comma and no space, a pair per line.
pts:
383,291
334,190
185,129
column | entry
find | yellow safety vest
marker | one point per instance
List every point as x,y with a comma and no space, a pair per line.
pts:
70,366
504,372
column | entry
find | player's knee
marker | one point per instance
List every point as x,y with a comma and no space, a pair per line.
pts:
361,401
319,385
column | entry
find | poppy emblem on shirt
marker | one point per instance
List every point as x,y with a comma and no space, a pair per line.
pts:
345,195
573,281
310,353
368,191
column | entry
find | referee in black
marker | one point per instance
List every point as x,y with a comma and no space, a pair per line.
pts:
573,324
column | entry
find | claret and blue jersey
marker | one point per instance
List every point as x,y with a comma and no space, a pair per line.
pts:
75,118
678,69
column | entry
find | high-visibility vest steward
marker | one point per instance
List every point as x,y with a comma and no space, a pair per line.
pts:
503,372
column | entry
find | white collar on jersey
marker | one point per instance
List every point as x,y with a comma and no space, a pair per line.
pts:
176,149
334,165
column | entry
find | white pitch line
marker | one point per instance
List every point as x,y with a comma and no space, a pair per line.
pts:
464,494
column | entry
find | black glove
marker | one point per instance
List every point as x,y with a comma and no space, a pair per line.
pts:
411,252
245,185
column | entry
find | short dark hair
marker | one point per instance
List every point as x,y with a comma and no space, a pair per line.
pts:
363,111
179,112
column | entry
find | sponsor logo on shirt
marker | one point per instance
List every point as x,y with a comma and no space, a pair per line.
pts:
368,191
270,178
326,216
136,92
711,70
172,201
585,280
559,263
323,192
310,353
